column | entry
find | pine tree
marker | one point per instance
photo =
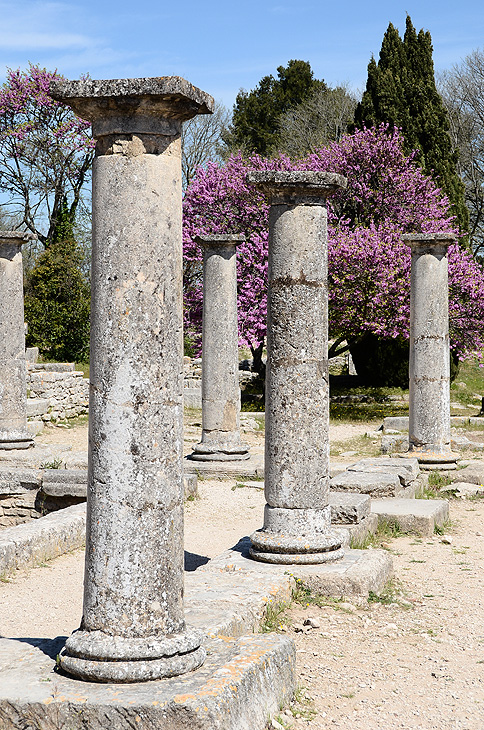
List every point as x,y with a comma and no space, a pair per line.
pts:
401,91
254,127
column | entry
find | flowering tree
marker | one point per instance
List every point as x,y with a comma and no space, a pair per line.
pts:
219,200
46,151
369,266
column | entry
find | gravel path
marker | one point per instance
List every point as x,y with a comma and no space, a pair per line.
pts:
415,662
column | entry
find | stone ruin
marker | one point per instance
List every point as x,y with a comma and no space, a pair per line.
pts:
133,627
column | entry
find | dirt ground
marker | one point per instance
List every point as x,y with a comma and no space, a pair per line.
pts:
414,659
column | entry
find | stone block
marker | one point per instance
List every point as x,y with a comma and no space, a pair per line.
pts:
19,481
473,474
36,406
64,482
32,354
76,460
397,423
462,490
394,443
35,427
348,508
192,397
375,484
242,683
358,532
407,469
190,483
415,516
42,539
58,367
252,467
73,483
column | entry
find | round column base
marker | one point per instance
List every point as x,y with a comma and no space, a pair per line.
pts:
206,451
434,460
97,657
15,440
268,547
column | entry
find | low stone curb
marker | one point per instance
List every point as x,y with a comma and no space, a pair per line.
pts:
48,537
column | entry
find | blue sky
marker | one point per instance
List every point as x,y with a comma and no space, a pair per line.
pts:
223,46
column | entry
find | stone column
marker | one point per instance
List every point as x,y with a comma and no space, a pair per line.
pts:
13,380
220,353
429,406
133,626
297,519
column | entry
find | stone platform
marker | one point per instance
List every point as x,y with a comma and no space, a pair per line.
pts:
356,574
242,683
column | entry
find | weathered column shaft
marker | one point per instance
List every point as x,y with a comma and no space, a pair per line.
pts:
297,514
220,353
429,372
13,385
133,623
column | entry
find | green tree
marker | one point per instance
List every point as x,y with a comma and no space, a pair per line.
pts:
401,91
57,297
256,113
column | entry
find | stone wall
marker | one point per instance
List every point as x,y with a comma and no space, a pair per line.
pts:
56,391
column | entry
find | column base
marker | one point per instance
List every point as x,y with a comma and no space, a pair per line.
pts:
206,451
15,440
97,657
302,536
268,547
434,460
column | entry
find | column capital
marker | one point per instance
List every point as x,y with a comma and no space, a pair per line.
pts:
220,239
16,237
296,186
428,240
129,106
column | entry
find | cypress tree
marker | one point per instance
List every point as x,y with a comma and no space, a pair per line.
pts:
57,297
401,91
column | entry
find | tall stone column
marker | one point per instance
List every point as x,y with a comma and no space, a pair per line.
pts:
220,353
13,381
133,626
429,406
297,519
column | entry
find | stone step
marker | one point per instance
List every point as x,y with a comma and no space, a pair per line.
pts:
242,683
415,516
